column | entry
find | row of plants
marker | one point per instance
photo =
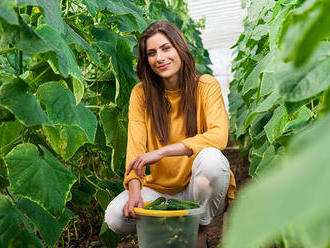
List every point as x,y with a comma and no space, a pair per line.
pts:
279,107
66,71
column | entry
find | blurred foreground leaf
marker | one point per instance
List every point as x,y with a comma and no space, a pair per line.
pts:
296,192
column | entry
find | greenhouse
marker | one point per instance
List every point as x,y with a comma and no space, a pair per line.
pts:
166,123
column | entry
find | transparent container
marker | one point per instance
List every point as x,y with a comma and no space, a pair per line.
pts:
170,228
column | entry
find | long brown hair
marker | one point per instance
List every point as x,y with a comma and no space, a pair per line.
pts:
156,103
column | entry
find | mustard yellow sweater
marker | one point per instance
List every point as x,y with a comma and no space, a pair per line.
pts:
171,174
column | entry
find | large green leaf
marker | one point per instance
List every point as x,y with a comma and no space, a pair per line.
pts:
257,10
75,124
124,7
121,59
47,41
280,198
7,12
104,197
65,139
109,238
116,135
118,7
308,80
299,119
39,176
275,127
263,105
49,228
280,12
64,61
300,235
16,97
52,11
25,38
126,23
71,37
253,79
9,131
93,6
62,108
307,26
15,231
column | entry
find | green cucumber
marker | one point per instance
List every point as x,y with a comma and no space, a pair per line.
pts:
156,202
183,203
160,207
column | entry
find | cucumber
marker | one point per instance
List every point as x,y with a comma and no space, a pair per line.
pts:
160,207
175,206
183,203
156,202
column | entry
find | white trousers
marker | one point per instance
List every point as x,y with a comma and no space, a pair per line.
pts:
208,186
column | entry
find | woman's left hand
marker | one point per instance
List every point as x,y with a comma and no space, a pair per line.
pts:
148,158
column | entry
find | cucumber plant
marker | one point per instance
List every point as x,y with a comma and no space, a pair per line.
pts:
66,72
279,107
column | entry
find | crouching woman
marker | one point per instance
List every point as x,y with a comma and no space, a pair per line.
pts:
178,126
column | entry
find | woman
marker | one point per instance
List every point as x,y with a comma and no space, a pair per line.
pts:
177,126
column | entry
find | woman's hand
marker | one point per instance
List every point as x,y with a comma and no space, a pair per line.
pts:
143,160
134,199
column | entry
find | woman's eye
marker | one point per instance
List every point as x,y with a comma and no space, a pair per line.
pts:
151,53
167,48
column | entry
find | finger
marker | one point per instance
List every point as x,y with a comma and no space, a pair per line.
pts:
125,210
131,210
143,172
137,167
130,167
140,205
140,171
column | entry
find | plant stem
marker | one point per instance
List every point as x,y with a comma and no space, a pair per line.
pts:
73,16
40,75
93,106
7,50
92,183
8,60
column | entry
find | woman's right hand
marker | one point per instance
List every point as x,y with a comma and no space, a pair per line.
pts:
134,199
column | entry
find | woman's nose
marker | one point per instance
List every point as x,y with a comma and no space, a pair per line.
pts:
160,56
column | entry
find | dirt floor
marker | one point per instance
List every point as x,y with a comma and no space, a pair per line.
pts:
240,168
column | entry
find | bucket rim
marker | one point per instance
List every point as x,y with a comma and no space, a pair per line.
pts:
149,212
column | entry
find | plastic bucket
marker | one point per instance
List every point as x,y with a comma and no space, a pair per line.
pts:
169,228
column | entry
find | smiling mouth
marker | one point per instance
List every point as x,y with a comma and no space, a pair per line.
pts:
163,67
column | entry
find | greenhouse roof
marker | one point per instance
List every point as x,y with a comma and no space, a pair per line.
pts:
223,21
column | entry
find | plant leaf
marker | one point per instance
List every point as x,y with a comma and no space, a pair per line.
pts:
9,131
15,231
65,60
29,169
16,97
280,198
75,125
308,80
47,225
52,11
63,110
309,24
116,135
7,12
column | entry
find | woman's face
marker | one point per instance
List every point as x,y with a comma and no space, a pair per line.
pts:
163,58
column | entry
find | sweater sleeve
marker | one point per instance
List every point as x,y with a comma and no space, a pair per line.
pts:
216,118
137,132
